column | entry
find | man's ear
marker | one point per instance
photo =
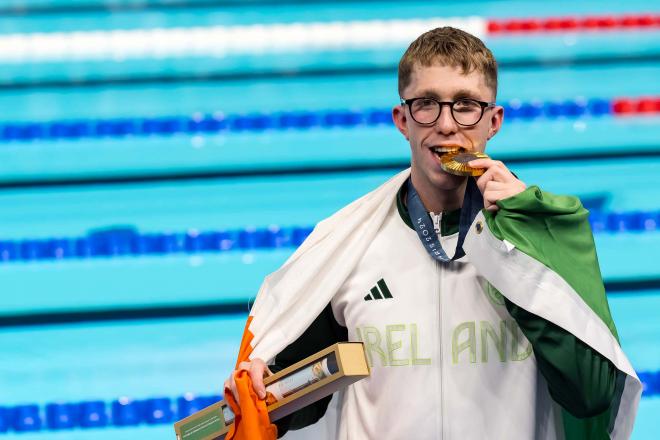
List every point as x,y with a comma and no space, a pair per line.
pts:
496,121
400,120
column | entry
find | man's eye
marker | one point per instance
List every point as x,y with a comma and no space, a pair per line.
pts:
466,105
426,102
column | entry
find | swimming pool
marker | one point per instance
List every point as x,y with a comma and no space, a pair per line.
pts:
115,343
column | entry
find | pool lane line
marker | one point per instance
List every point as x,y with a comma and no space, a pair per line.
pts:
169,5
129,242
205,175
258,122
126,412
125,314
222,309
575,23
643,286
221,41
302,73
257,39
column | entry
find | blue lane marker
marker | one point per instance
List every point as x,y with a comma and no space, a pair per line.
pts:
127,241
5,419
26,418
158,411
257,122
153,411
650,383
62,416
93,414
126,412
620,222
189,404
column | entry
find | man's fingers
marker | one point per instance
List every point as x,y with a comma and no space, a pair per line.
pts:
256,369
481,163
257,384
483,180
491,195
486,163
256,372
495,169
244,366
227,387
494,185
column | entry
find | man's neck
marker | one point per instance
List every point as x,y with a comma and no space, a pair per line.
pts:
438,200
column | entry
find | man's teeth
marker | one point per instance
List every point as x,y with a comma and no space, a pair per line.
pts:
442,150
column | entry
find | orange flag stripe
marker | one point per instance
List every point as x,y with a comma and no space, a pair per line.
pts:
245,350
251,420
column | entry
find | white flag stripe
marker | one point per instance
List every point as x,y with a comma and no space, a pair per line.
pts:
222,41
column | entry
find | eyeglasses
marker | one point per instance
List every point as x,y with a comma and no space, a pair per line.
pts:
466,111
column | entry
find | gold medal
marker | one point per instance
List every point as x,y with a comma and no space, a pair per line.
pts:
457,163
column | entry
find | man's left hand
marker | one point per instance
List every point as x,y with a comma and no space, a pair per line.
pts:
497,182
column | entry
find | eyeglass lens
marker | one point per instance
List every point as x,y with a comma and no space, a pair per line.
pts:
464,111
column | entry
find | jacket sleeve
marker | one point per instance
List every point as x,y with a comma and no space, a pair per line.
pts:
579,378
323,332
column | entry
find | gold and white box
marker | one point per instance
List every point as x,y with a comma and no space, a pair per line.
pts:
289,390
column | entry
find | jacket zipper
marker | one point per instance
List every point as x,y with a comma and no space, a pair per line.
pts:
437,219
436,222
440,325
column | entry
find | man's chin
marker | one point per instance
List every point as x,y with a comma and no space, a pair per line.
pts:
437,178
446,181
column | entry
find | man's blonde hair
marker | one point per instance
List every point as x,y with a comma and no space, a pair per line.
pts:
450,47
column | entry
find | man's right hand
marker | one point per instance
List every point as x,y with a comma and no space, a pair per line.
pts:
257,369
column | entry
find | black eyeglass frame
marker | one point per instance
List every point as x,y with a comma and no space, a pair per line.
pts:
483,104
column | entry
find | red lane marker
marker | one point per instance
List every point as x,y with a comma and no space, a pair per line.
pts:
494,27
552,24
521,25
646,106
587,23
643,105
623,106
604,22
568,23
637,21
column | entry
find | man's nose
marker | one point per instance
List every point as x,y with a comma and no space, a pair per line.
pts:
445,123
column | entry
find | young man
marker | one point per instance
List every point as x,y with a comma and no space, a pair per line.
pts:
504,333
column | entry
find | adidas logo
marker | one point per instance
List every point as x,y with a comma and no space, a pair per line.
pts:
379,291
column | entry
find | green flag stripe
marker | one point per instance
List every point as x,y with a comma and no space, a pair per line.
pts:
555,231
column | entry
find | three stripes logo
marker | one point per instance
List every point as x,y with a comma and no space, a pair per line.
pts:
379,291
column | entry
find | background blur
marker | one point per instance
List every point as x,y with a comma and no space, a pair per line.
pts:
159,157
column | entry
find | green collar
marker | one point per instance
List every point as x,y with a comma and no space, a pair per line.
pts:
448,223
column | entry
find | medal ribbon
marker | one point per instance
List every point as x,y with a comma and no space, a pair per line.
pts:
473,202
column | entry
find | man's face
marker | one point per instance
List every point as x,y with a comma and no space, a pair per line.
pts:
444,84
